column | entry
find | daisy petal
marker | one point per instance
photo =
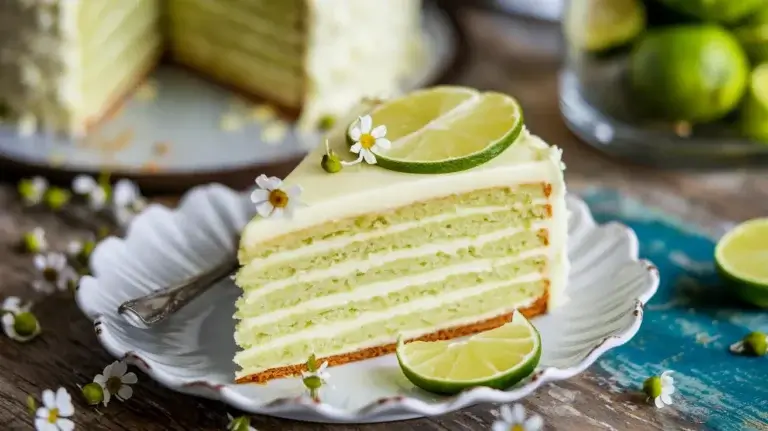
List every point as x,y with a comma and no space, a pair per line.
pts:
356,148
42,412
8,324
12,303
506,413
125,392
659,403
129,378
355,133
49,399
40,262
64,402
518,413
83,184
294,191
365,124
274,183
65,424
666,399
369,157
668,389
259,195
118,369
124,192
289,210
42,424
278,212
500,426
262,181
379,132
107,396
100,379
265,209
383,143
534,423
667,380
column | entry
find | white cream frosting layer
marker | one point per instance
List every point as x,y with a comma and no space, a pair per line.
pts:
363,189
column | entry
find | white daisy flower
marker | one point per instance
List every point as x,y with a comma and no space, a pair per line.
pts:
54,414
115,381
514,419
33,190
87,186
18,323
660,389
272,200
127,201
54,273
367,141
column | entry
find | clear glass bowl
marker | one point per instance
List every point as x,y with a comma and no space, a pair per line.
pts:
671,83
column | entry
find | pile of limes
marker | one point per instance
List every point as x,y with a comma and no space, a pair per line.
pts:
694,61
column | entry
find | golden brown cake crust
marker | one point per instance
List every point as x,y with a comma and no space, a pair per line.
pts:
535,309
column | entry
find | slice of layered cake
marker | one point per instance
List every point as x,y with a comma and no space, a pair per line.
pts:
313,57
371,254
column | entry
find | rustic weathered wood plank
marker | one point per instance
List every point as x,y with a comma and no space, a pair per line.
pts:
504,58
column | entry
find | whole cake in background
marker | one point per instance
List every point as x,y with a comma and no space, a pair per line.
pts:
459,221
64,64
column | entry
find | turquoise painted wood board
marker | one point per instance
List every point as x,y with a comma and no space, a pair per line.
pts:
688,325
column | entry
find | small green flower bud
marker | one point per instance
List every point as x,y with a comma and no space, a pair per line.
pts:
93,393
311,363
55,198
25,324
31,405
326,122
242,423
32,243
313,382
652,386
331,163
755,344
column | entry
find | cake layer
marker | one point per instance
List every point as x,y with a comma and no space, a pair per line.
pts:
413,319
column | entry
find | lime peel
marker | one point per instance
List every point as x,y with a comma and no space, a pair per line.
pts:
740,259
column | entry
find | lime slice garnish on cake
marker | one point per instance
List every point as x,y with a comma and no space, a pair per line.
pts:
601,25
446,129
741,256
498,358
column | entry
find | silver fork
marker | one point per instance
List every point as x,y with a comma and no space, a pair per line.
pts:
147,311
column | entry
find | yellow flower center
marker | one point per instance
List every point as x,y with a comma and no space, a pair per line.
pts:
517,427
367,141
278,198
53,415
114,384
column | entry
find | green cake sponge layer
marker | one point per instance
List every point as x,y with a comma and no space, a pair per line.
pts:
523,194
349,311
424,321
430,233
297,293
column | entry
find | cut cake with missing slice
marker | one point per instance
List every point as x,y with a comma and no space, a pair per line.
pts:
375,254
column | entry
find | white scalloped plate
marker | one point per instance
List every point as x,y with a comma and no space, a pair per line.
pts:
192,352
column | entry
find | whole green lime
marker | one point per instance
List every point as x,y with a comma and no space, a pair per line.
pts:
727,11
753,35
600,25
688,73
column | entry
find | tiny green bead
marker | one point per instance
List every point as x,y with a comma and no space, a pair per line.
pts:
25,324
755,344
93,393
652,386
326,122
313,382
242,423
56,197
31,404
31,244
331,163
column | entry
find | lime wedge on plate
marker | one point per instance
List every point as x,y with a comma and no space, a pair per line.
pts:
446,129
498,358
754,110
741,257
601,25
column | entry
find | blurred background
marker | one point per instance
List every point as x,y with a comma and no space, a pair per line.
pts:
624,85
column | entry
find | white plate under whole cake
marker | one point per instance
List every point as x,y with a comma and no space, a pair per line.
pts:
180,129
192,352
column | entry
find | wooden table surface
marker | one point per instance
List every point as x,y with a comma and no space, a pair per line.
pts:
518,58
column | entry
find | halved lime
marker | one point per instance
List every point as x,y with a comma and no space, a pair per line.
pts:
600,25
754,111
498,358
740,258
446,129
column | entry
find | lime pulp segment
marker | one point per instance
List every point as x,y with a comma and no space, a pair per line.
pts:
741,257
